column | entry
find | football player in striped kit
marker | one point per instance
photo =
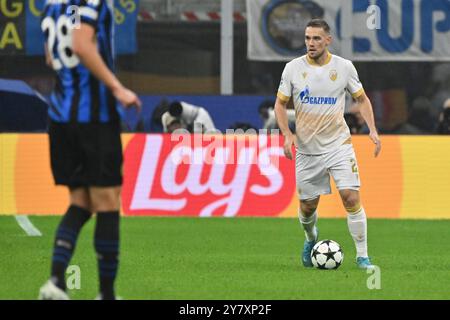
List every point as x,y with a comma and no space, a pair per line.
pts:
84,132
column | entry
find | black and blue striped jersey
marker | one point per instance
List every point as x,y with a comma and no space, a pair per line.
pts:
78,95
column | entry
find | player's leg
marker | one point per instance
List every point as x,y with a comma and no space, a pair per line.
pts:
67,170
78,213
344,169
106,202
64,245
308,219
357,225
104,149
312,180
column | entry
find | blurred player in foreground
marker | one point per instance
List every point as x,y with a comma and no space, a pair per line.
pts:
84,132
317,82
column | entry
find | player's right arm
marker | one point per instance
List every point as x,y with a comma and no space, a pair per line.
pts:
283,123
364,106
283,96
84,45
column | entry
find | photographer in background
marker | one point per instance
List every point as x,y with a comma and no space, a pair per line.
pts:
444,119
189,115
171,124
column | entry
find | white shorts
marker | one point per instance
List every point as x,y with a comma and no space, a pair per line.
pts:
313,172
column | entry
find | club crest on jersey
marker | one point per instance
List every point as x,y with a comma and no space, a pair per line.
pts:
304,74
333,75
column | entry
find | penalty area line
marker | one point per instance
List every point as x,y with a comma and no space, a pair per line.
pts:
27,226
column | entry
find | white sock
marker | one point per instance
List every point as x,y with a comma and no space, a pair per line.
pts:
309,225
357,225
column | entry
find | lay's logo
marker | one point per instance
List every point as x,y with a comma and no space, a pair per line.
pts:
206,175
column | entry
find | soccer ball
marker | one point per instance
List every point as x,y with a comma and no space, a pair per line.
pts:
327,254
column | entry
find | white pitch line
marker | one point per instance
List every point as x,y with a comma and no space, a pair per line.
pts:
27,226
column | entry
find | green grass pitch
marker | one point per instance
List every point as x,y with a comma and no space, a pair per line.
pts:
242,258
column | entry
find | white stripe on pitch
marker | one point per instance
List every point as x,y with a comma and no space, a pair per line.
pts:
27,226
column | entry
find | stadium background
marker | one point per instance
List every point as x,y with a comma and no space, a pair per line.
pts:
175,55
172,50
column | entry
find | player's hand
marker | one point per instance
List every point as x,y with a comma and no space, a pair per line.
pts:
376,140
127,98
289,140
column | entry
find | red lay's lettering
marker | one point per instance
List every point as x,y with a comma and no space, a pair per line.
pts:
206,176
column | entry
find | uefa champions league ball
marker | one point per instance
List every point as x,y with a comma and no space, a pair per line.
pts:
327,254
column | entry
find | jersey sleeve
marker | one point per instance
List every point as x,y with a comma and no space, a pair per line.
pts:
89,11
285,89
354,85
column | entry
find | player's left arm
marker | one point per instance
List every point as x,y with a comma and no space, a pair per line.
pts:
365,108
354,86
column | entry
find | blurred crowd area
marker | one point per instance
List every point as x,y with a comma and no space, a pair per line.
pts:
180,55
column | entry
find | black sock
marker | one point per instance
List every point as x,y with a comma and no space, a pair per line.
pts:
65,241
107,246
